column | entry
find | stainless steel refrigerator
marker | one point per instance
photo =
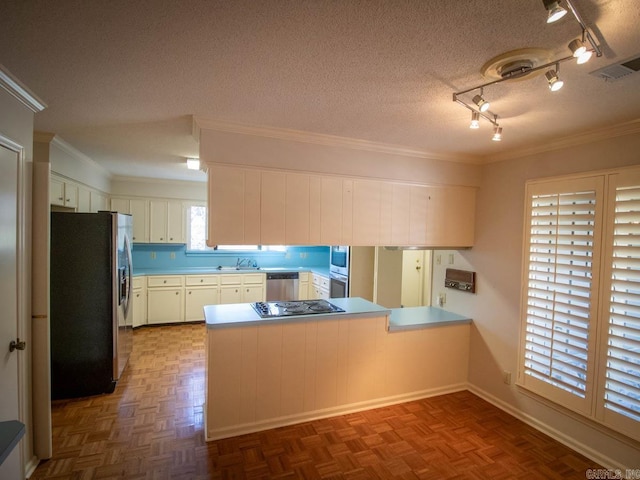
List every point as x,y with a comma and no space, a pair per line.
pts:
91,311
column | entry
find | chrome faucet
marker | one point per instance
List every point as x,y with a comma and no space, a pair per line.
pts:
245,262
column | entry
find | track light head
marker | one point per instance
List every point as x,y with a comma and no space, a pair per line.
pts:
555,83
555,11
481,103
475,120
580,51
497,134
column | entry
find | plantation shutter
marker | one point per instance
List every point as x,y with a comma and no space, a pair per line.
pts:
621,397
559,311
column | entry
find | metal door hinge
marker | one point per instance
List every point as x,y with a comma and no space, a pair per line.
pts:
17,345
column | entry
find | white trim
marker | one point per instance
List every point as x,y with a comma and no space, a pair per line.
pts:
218,433
566,440
327,140
71,150
20,91
584,138
186,183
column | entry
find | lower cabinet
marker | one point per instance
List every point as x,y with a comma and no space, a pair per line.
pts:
245,288
162,299
200,290
139,302
303,286
319,287
165,299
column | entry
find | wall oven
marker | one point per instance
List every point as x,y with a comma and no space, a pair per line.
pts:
339,260
339,271
338,286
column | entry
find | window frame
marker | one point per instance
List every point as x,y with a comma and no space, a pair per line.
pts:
592,406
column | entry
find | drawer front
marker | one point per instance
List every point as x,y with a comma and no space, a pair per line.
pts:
324,282
138,282
234,279
195,280
303,276
165,281
253,278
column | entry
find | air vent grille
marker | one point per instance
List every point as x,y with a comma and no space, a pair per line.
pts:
618,70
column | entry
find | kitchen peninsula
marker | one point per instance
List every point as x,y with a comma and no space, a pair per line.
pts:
263,373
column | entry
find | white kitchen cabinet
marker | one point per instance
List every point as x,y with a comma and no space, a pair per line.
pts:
320,287
63,194
139,301
366,212
166,221
273,190
200,290
250,206
303,286
234,206
97,202
242,288
165,299
139,209
84,199
297,209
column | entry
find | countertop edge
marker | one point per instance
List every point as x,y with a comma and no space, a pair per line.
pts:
419,326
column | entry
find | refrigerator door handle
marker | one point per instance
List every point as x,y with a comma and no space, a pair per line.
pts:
129,279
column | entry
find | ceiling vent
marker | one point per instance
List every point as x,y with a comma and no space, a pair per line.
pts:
618,70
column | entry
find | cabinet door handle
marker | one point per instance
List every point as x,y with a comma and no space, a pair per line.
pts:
164,281
189,292
177,293
201,280
17,345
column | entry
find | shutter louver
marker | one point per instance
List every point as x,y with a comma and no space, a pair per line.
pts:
622,383
561,246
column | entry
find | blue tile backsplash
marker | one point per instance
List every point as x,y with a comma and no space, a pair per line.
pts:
176,256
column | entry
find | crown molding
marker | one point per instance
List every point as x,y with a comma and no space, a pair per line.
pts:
20,91
43,137
620,130
157,181
53,139
200,124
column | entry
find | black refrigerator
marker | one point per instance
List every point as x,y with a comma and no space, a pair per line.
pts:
91,311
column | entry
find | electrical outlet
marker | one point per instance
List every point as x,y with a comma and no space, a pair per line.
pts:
451,259
438,259
506,377
303,254
287,255
442,299
153,255
173,255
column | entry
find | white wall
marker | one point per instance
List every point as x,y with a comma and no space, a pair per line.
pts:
264,152
152,188
67,161
495,309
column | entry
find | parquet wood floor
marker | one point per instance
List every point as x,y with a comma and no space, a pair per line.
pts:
151,427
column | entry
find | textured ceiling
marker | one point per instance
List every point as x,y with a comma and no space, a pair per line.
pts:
122,77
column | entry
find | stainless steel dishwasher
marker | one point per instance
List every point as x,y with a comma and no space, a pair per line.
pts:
282,286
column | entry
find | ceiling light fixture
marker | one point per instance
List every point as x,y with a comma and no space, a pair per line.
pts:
555,11
555,83
481,103
193,163
475,120
518,65
497,134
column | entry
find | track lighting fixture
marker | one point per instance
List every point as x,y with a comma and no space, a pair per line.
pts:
579,50
481,103
497,134
555,11
555,83
522,63
475,120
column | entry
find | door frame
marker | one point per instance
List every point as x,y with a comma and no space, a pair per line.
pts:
22,287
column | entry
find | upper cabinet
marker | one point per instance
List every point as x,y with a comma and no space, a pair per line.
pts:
252,206
62,193
154,221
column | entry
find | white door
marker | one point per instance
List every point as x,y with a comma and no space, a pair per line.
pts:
9,403
412,278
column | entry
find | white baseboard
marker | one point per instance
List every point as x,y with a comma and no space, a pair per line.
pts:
241,429
31,466
570,442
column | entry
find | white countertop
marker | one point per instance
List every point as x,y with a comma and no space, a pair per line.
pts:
243,314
